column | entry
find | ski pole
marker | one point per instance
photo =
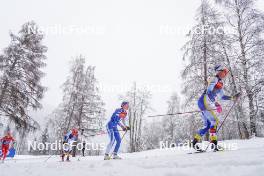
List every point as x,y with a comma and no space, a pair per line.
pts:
188,112
223,120
179,113
103,132
124,135
121,141
48,158
226,116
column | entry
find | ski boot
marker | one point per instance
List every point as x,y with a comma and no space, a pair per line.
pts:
195,145
62,157
107,157
68,158
215,147
116,157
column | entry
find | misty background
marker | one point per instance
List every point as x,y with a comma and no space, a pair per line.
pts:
128,41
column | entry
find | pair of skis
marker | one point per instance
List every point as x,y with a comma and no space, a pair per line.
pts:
204,151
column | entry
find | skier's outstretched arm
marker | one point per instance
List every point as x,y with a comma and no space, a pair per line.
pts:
226,97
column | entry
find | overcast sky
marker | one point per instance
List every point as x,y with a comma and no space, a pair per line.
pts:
127,41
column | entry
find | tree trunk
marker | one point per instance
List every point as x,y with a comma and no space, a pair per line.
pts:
205,62
245,76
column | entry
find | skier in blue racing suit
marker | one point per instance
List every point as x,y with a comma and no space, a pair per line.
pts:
118,116
207,104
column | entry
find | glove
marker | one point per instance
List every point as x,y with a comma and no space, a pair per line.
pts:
218,107
236,96
124,128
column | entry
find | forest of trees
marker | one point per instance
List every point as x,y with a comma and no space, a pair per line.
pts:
21,92
231,33
239,46
226,32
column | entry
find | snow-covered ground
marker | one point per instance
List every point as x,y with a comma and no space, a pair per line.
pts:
248,160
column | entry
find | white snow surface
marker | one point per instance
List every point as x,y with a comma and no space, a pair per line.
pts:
247,160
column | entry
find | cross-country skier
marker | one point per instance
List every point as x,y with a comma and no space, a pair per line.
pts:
118,116
69,139
207,104
6,141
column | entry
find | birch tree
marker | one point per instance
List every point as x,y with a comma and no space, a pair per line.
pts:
139,104
200,50
246,23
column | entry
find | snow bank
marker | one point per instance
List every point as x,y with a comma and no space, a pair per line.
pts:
248,160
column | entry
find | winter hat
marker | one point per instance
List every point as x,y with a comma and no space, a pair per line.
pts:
219,68
124,103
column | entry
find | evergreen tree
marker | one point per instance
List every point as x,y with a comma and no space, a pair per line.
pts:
20,79
82,106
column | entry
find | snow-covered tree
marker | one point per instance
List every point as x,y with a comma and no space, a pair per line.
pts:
139,104
91,111
170,129
200,50
239,46
171,122
21,74
72,89
153,135
45,139
82,106
247,42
